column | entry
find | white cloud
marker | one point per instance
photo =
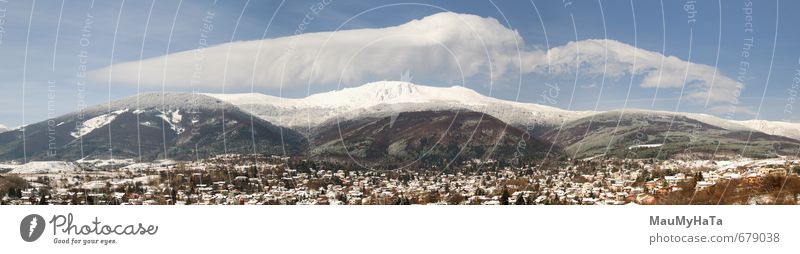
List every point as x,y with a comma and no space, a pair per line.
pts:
442,46
424,46
624,59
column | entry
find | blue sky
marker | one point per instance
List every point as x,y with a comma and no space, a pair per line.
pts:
42,64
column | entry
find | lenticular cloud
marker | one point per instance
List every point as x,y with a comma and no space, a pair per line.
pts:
443,46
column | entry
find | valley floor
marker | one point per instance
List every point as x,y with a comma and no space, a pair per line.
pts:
263,180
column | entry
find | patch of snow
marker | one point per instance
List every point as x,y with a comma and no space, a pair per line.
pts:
748,162
99,121
791,130
386,98
93,185
173,118
644,146
20,127
593,157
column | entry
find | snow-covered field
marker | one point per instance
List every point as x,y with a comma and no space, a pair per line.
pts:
173,118
725,165
644,146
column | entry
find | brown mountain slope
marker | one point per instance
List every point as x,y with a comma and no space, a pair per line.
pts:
438,137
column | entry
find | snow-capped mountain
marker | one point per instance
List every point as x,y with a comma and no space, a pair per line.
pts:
390,97
3,128
149,126
436,138
185,125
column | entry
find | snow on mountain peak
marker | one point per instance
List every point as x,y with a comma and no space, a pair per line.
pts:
387,98
156,100
96,122
173,118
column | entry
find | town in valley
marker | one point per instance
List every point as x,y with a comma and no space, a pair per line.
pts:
235,179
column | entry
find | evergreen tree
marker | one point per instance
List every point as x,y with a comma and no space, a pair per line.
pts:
520,200
173,195
42,199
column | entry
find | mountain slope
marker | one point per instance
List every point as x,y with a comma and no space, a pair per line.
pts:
438,137
644,134
185,126
387,98
150,126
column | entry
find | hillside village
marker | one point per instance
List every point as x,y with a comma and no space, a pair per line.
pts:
275,180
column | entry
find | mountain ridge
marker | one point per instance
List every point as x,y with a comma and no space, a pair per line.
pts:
180,123
149,127
429,137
